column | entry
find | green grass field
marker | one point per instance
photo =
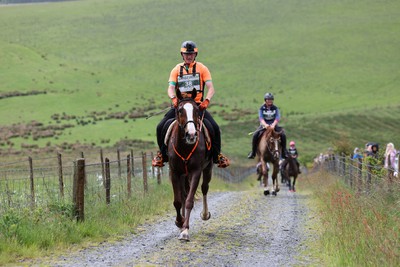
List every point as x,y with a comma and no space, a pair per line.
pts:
333,67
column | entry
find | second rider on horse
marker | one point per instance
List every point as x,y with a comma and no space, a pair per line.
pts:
269,116
185,77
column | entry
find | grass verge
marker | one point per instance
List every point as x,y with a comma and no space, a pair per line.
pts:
27,233
356,229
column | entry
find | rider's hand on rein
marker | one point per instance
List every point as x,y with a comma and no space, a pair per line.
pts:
174,101
204,104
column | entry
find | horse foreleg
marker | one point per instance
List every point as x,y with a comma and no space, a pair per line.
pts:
177,188
189,203
205,214
264,174
265,179
294,182
275,183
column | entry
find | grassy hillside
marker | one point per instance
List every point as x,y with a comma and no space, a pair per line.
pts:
333,67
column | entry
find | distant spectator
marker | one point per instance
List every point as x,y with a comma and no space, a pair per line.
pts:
372,150
390,155
357,154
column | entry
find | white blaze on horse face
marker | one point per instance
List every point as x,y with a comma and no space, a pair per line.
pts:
190,127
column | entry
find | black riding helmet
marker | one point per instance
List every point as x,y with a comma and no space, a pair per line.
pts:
268,96
189,47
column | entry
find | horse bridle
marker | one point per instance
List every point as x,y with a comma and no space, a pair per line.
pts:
185,160
189,121
183,126
276,146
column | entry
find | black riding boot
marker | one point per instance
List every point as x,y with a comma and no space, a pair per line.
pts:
283,143
252,154
164,152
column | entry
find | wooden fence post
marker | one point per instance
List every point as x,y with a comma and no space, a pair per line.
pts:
144,165
60,175
79,181
103,174
359,176
133,164
32,182
119,164
108,181
369,177
129,175
159,175
152,167
74,182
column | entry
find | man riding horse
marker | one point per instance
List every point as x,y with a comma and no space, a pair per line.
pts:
269,116
185,77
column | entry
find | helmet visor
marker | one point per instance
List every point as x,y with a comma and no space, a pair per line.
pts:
185,50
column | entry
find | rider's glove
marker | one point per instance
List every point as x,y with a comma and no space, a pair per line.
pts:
204,104
174,101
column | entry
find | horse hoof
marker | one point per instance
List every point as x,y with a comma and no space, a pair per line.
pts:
179,224
273,193
184,235
205,217
266,192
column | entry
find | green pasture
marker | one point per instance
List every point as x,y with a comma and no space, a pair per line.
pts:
333,67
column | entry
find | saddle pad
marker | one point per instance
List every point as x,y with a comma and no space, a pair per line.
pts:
168,133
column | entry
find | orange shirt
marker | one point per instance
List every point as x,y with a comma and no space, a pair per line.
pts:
202,72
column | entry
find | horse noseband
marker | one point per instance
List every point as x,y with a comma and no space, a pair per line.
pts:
183,127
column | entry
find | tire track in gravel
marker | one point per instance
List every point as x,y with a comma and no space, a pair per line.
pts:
246,229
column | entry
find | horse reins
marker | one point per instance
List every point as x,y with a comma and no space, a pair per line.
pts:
185,160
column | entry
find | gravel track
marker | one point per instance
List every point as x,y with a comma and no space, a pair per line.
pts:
246,229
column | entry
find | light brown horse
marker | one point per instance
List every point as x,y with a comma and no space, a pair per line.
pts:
189,159
269,151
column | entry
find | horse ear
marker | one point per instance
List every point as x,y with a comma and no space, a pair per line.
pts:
194,93
178,94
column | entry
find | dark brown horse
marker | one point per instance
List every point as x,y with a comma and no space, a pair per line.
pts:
269,151
189,159
291,171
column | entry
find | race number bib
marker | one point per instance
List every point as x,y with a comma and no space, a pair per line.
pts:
186,83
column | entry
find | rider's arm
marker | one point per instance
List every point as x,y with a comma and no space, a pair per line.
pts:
171,91
261,118
277,118
210,90
172,82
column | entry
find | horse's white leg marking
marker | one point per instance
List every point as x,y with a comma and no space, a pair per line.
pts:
184,235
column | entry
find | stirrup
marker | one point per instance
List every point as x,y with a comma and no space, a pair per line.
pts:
223,161
158,160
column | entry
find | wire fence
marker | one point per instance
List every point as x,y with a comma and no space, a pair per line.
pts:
361,175
47,181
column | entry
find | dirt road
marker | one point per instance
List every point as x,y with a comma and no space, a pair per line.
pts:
245,229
